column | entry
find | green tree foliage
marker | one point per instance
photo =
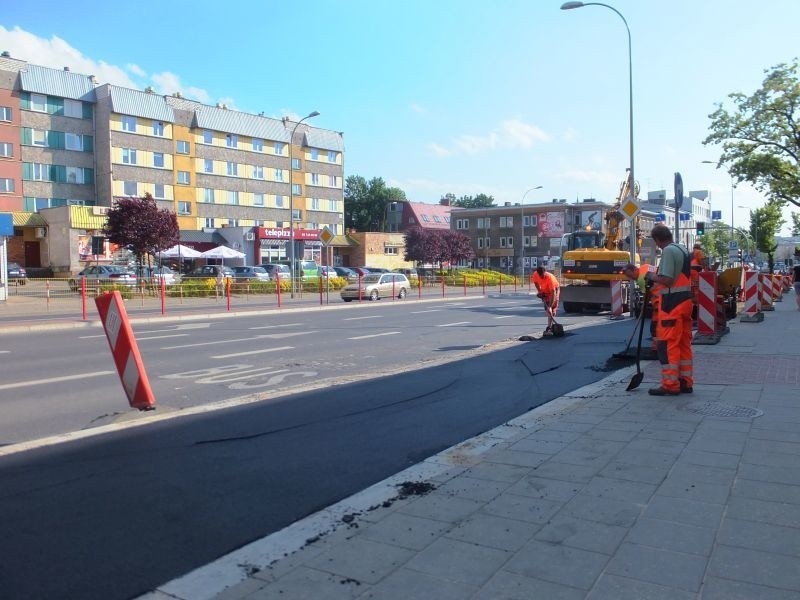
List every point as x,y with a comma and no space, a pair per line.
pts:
437,246
760,138
795,223
479,201
366,203
765,222
138,225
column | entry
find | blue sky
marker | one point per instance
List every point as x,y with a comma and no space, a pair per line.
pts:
449,96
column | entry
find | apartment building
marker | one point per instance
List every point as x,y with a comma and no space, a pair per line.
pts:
67,140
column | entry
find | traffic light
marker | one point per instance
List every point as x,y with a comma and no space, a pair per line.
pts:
701,228
739,254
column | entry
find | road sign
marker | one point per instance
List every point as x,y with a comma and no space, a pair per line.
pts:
630,207
326,235
678,190
733,245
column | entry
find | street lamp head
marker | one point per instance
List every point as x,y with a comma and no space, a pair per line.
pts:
313,114
571,5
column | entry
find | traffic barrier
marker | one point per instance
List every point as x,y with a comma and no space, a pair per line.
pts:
752,302
786,281
766,292
125,350
708,331
777,288
616,300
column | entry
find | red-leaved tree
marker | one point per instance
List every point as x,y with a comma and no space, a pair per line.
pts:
138,225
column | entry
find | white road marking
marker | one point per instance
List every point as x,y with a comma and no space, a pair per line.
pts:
419,312
214,343
275,326
89,337
454,324
159,337
364,337
262,351
277,336
504,317
5,351
20,384
361,318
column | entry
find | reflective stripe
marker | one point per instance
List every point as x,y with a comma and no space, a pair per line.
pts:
675,289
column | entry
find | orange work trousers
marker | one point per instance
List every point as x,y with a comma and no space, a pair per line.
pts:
674,346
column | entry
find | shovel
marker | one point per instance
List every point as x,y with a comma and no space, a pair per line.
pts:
636,380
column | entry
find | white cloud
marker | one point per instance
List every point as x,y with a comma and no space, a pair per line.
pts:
508,135
570,134
595,177
135,69
169,83
418,108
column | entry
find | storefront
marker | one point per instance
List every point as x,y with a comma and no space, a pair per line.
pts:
272,245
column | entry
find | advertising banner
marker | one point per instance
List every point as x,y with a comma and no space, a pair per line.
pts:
551,224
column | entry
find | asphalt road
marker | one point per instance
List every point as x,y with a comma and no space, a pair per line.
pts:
114,516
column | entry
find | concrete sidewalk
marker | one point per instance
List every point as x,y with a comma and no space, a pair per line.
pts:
602,494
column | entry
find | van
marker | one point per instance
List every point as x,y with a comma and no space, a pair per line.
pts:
308,269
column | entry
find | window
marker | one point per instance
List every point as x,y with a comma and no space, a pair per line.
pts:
129,188
333,156
40,172
129,124
184,208
38,137
73,108
232,140
506,242
208,195
484,223
6,185
390,250
233,197
208,137
296,214
314,178
158,160
315,204
297,189
531,221
39,102
333,181
506,221
183,177
278,174
129,156
5,113
159,190
314,154
76,175
279,146
73,142
158,128
258,145
258,199
258,222
209,223
258,172
6,149
233,169
233,222
279,201
436,219
332,205
183,147
295,164
208,165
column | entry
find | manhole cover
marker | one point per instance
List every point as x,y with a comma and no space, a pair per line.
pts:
719,409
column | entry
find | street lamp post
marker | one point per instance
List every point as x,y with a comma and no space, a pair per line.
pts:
570,6
522,231
291,197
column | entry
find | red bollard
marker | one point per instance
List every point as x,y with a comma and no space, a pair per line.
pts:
83,297
484,285
465,285
359,287
228,291
278,287
419,288
163,291
443,286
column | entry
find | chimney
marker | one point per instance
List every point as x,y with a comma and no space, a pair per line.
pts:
6,54
93,79
149,89
66,68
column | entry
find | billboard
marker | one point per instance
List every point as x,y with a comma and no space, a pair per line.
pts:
590,220
550,224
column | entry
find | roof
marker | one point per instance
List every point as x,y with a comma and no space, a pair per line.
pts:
232,121
57,82
82,217
27,219
430,216
343,240
125,101
324,139
203,237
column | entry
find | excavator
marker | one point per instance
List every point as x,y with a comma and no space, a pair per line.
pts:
591,259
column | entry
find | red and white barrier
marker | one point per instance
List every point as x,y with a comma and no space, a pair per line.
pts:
616,299
707,303
125,350
765,292
777,288
752,300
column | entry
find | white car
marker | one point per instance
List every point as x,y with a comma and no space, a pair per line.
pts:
375,286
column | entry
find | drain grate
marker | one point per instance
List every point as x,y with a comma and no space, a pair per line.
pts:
720,409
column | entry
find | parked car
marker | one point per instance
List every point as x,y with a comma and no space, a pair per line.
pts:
104,275
210,272
361,271
275,270
348,274
158,273
16,274
250,274
375,286
326,271
377,270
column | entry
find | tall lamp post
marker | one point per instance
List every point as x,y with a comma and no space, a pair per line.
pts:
570,6
522,231
291,197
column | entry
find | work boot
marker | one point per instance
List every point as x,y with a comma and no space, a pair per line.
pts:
686,388
660,391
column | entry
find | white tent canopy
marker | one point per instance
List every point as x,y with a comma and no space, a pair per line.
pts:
179,251
222,252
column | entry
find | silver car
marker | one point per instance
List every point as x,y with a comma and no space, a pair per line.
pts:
375,286
104,274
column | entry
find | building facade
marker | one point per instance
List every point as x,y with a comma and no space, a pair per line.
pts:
66,140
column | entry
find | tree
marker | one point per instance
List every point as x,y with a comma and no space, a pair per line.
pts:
436,246
366,204
138,225
479,201
765,222
760,139
795,223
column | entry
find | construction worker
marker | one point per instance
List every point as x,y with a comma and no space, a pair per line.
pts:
672,285
548,290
